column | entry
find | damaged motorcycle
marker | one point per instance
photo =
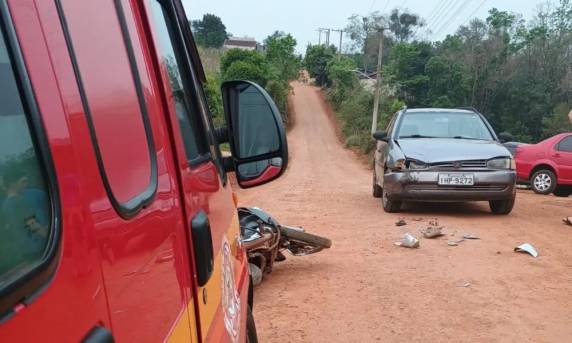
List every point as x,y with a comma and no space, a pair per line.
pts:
264,239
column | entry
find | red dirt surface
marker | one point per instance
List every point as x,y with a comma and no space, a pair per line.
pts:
365,289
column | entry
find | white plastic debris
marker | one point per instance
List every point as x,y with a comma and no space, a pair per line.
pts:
454,243
470,236
408,241
527,248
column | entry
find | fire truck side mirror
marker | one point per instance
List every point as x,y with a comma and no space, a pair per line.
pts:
256,133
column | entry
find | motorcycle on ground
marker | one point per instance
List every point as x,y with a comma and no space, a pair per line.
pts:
264,239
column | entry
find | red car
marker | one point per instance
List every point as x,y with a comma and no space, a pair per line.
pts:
547,165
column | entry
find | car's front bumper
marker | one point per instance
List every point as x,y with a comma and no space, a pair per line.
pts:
423,186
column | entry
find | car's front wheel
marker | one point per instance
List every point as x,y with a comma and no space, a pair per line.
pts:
502,206
543,182
390,206
377,191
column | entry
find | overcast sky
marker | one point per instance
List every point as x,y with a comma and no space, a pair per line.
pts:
302,18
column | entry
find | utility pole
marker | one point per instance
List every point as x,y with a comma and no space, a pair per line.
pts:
341,35
378,83
327,35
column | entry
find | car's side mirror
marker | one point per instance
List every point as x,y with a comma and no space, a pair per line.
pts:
505,137
256,134
380,136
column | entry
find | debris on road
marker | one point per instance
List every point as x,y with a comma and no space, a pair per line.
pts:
417,219
465,284
527,248
432,232
455,243
408,241
470,236
401,222
434,222
567,220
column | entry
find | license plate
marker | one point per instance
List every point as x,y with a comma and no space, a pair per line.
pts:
458,179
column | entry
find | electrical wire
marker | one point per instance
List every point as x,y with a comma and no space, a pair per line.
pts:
372,4
385,7
447,23
438,9
474,12
443,16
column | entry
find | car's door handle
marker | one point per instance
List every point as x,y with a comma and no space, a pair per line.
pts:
203,247
99,334
556,155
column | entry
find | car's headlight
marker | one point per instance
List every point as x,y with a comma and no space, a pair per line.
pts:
398,165
501,163
417,165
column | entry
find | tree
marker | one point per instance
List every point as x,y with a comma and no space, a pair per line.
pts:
364,33
237,64
402,24
280,52
316,61
406,71
209,31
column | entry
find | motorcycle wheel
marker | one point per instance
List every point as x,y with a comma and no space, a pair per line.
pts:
314,240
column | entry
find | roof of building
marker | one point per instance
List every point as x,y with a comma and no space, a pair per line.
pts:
241,41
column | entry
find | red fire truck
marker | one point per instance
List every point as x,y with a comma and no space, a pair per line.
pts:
117,217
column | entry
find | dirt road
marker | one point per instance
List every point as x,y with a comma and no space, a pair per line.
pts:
365,289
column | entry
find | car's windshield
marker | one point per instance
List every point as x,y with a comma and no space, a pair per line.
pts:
443,125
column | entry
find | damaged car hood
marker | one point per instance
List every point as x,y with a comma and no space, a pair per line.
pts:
431,150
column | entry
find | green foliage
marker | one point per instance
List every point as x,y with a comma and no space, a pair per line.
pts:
272,70
279,90
364,32
252,57
242,70
316,61
402,24
355,116
514,72
354,105
343,79
558,122
280,52
209,31
214,98
210,58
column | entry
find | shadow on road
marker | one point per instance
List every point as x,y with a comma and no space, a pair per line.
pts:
464,209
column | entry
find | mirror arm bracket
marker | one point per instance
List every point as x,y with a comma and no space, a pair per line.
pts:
221,134
228,164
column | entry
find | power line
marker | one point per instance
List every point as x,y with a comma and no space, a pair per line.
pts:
447,23
438,7
436,10
474,12
436,15
372,4
386,4
443,16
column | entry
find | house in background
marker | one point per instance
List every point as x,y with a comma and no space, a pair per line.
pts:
243,43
